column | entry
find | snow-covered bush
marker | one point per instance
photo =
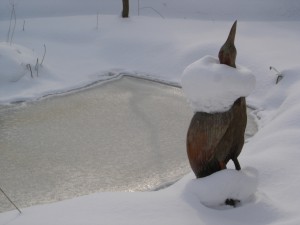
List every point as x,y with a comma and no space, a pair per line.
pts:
13,62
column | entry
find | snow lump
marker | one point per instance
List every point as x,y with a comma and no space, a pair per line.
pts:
213,87
13,61
212,191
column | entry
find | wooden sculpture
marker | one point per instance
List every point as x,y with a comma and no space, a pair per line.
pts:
215,138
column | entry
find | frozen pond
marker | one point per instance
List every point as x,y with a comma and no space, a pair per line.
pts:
125,135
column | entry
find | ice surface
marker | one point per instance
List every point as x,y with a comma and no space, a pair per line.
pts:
126,135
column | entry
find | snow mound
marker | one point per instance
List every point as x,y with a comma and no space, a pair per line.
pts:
212,191
213,87
13,61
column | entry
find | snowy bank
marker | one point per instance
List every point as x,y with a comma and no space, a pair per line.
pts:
180,204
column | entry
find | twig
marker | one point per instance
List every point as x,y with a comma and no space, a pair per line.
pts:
11,17
28,66
45,49
15,19
154,11
37,67
279,74
10,201
97,20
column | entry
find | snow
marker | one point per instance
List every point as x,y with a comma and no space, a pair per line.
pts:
255,10
234,184
213,87
14,59
78,54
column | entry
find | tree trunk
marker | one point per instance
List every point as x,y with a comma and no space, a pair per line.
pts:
125,12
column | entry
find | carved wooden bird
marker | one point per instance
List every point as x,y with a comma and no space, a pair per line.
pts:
215,138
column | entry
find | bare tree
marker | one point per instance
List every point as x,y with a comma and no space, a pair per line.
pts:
125,12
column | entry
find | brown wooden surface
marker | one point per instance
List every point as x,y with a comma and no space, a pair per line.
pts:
215,138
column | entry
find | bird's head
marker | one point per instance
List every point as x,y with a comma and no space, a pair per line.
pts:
227,53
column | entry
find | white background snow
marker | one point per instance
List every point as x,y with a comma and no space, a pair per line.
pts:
79,52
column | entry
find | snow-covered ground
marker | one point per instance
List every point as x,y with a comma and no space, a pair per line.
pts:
79,52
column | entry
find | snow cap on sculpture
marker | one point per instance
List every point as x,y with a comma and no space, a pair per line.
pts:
212,86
